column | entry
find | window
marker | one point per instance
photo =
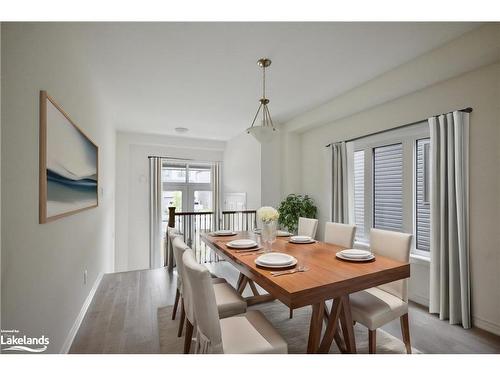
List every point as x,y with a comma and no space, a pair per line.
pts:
388,187
359,195
389,184
423,207
188,187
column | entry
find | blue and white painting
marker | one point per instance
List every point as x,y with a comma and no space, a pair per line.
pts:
71,166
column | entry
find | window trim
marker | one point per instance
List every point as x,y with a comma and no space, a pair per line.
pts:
415,250
407,137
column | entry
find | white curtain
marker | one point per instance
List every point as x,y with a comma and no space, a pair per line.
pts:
450,276
216,194
339,183
156,257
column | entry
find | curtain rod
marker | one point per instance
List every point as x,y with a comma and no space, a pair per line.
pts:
467,110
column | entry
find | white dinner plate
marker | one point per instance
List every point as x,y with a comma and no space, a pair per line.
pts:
340,256
257,262
283,233
224,232
302,239
276,259
241,244
355,254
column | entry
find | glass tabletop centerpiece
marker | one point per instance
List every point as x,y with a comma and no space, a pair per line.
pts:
269,218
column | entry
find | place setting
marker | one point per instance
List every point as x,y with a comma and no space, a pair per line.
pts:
244,245
223,233
302,240
355,255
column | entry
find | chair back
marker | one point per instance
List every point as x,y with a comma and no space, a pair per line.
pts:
307,227
394,245
188,291
179,247
340,234
209,336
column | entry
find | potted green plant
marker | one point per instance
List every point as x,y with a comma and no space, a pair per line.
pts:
293,207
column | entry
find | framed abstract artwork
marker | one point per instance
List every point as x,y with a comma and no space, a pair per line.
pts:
68,164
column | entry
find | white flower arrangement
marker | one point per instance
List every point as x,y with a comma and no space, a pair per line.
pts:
267,214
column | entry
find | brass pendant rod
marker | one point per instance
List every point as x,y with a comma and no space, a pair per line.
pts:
256,114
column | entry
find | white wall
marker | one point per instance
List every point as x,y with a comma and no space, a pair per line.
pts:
242,168
132,188
478,89
42,265
0,175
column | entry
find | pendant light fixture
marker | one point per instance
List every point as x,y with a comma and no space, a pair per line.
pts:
265,131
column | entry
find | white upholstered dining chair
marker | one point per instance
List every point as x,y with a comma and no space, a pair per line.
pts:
377,306
172,233
228,301
340,234
248,333
307,227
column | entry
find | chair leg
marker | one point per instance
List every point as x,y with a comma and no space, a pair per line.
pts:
291,313
176,303
183,316
188,337
405,330
372,341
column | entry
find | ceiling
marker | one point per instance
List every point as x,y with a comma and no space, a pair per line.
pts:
155,77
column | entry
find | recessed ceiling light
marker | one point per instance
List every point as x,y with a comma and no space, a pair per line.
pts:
181,130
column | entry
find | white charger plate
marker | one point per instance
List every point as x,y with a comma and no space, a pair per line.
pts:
241,244
340,256
276,259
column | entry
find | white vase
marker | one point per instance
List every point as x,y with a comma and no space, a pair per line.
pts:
268,234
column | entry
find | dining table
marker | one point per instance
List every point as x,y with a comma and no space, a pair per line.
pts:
326,278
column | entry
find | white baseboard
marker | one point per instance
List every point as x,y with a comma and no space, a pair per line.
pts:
76,325
486,325
421,300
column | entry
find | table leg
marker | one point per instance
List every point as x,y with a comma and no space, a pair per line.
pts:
315,327
347,326
243,285
240,280
331,328
253,287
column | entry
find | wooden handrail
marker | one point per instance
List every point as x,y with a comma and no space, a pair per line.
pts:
237,212
211,212
192,213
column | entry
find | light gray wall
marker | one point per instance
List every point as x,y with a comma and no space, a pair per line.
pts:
242,168
271,172
478,89
42,265
132,188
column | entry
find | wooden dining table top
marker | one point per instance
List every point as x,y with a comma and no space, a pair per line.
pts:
327,276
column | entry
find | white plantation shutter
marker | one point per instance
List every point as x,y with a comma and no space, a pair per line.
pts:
359,195
423,207
388,187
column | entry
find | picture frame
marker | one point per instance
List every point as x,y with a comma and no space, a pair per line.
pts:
68,164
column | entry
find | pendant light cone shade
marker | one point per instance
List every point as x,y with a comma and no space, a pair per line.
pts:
265,131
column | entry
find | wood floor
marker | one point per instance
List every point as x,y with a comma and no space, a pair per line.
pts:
122,318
